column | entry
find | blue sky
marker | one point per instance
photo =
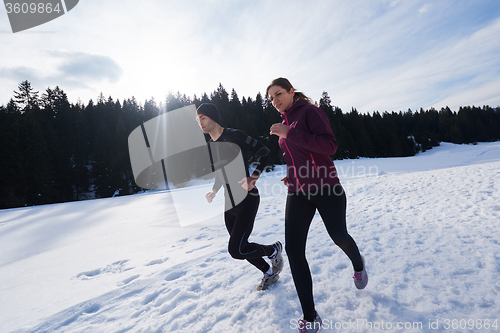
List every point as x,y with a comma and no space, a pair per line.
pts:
386,55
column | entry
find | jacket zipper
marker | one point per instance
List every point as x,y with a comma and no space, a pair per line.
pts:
293,162
315,167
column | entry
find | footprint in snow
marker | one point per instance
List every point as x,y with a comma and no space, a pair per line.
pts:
92,308
175,275
203,236
151,297
156,262
89,309
341,266
200,248
166,297
496,288
116,267
89,274
128,280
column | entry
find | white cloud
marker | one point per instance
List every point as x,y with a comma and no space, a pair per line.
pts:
394,3
81,66
424,9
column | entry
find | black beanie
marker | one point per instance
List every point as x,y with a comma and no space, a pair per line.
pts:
209,110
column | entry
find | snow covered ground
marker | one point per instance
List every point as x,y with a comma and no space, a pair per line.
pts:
428,227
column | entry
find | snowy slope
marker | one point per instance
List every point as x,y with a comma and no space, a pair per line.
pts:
428,227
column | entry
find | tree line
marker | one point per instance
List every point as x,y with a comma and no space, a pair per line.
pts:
54,151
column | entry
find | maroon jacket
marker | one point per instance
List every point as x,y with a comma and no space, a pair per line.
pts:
307,149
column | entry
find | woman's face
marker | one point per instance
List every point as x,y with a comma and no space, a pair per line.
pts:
282,100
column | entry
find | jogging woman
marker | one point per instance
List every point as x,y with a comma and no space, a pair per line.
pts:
307,142
240,218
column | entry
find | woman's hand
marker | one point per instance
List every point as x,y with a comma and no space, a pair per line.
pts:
285,181
248,183
210,196
279,129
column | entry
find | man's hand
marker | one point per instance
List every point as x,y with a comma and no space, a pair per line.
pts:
248,183
210,196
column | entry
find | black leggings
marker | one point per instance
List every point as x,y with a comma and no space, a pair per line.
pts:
239,223
300,209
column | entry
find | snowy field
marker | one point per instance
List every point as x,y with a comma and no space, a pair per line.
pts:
428,227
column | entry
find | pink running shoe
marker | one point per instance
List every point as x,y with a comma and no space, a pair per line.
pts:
310,327
361,278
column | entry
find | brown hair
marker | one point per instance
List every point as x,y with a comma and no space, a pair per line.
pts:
285,84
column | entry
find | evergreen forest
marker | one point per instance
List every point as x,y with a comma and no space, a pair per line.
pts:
54,151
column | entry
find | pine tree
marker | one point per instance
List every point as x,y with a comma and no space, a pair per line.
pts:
444,122
54,151
220,98
234,113
62,121
25,97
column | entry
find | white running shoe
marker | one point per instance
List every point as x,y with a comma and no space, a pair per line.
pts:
277,258
269,279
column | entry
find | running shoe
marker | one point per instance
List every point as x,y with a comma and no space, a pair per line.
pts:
361,278
277,258
310,326
269,279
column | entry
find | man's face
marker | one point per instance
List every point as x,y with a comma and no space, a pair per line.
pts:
206,124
